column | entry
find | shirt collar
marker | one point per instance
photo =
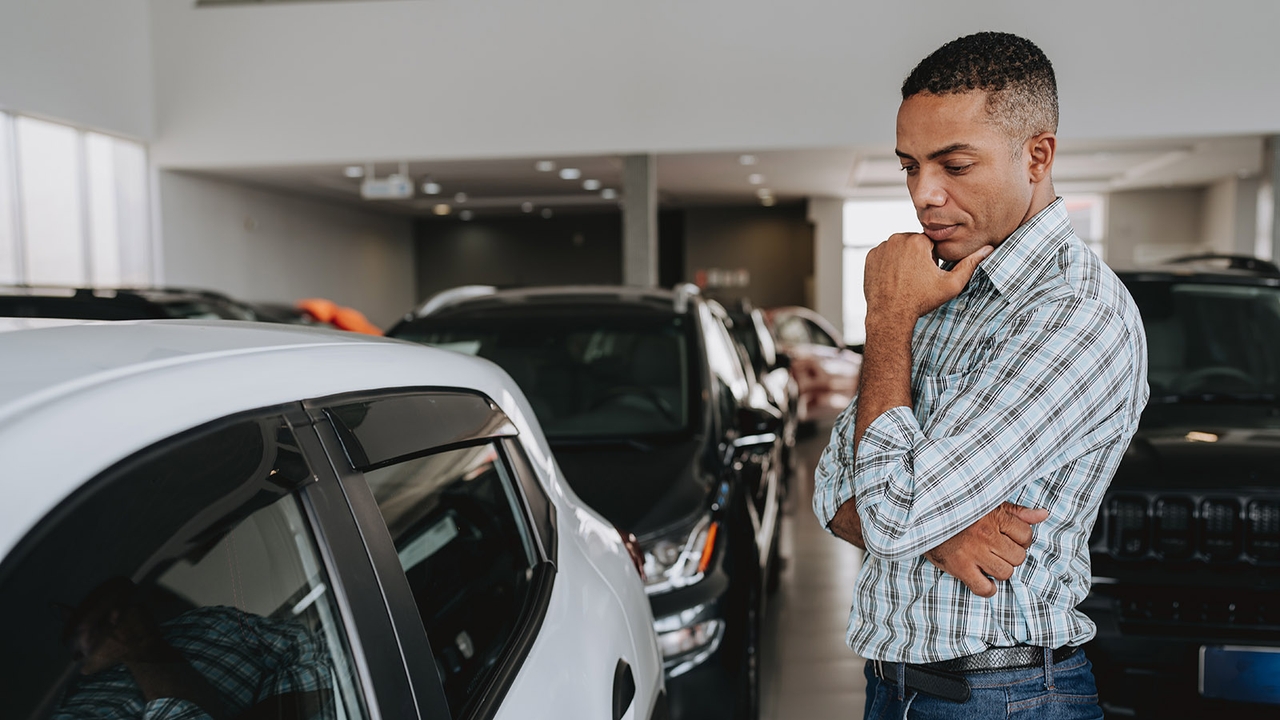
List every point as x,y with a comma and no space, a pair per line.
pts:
1016,262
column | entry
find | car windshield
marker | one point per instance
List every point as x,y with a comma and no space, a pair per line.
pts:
1210,341
586,375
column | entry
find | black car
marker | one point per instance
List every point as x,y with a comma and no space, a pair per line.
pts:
1186,549
772,369
81,303
651,415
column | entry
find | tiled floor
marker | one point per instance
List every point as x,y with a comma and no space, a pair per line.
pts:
808,672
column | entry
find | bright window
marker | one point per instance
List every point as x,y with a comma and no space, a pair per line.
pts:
74,206
867,223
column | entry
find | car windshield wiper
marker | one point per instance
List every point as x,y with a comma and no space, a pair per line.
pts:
1216,399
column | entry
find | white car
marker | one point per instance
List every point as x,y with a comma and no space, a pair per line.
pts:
233,520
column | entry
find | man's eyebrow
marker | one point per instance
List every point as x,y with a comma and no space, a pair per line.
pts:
957,147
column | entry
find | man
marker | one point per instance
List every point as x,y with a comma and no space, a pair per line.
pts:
1004,364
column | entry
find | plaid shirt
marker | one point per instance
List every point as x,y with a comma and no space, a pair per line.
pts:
1026,387
244,657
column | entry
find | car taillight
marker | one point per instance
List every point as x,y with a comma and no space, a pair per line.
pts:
1173,527
1264,530
1220,528
633,549
1128,527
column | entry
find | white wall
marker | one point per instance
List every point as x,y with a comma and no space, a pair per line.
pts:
85,62
265,246
1231,215
827,216
1145,227
298,83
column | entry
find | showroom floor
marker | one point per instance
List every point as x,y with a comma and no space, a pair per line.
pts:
809,673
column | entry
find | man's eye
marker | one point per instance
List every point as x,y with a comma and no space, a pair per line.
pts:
908,169
957,169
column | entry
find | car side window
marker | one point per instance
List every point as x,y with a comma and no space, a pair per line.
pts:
820,336
792,331
185,582
467,551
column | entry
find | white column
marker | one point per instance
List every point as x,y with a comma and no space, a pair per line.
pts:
827,216
640,221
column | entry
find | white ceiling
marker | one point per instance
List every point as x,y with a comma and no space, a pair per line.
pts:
494,187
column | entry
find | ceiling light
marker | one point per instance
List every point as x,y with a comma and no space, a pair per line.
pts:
526,207
353,171
592,185
466,215
747,159
608,193
763,193
442,209
460,198
768,201
545,165
755,178
546,212
570,173
431,188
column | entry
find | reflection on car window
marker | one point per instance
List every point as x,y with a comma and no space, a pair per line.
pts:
791,331
1210,339
585,375
185,584
820,336
457,527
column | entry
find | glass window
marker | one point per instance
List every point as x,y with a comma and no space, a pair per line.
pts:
585,374
458,529
104,221
185,583
10,267
792,331
52,214
820,336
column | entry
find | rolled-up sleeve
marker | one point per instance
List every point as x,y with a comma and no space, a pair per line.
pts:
1049,392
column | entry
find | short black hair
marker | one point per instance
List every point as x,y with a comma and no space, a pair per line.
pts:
1022,92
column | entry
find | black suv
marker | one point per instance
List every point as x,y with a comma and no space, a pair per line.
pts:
1186,550
658,426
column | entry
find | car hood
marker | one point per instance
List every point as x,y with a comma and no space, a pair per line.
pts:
640,488
1204,447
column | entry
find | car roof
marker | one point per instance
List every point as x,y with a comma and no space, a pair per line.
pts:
475,297
77,397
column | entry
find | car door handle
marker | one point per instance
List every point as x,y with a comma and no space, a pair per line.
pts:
624,689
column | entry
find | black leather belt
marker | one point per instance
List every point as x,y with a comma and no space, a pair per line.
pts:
946,680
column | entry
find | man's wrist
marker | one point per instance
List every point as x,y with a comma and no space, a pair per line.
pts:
888,324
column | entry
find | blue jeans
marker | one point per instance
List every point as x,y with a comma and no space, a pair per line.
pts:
1065,691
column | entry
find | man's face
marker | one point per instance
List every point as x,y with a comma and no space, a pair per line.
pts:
969,186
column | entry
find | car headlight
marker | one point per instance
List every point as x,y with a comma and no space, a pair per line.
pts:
688,638
680,560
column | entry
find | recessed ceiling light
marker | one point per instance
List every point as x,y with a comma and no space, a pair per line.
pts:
763,193
442,209
608,193
755,178
768,202
591,185
431,188
570,173
466,215
545,165
460,198
546,212
526,207
747,159
353,171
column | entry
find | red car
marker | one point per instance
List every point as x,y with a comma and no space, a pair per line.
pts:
826,370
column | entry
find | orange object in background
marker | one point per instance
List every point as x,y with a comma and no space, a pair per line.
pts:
343,318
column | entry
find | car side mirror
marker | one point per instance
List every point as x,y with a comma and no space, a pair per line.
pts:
782,360
757,426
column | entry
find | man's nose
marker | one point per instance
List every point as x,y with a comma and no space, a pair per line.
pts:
928,191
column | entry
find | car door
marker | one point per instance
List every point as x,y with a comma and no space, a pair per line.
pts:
212,573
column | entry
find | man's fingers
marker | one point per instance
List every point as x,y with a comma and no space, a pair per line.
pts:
1009,551
996,567
1016,530
978,584
1028,515
964,269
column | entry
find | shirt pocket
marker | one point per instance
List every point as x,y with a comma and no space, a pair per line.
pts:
928,392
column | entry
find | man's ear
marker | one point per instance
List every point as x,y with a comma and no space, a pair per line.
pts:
1041,150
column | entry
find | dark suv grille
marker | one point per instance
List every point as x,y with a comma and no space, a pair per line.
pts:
1211,528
